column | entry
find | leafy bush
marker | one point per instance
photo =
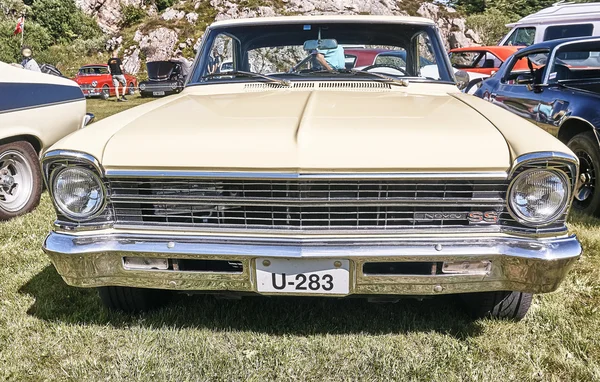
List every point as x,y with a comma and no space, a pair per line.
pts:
163,4
63,20
491,24
36,37
132,14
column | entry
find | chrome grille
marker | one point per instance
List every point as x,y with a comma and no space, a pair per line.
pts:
298,204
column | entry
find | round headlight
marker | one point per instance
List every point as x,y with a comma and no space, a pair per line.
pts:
173,85
142,86
94,83
538,197
78,193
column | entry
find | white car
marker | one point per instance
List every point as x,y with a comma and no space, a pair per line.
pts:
36,110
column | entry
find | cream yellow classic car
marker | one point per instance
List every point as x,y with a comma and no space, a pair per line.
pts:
292,175
36,110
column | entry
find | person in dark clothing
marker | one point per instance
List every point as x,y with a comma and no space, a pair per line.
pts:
116,70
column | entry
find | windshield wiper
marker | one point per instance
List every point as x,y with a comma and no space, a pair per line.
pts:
390,80
240,73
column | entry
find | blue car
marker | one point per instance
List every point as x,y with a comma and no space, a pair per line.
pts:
559,92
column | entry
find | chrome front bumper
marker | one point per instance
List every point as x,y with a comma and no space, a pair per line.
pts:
518,264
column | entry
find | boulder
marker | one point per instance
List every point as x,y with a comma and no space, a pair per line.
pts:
172,14
107,13
132,62
158,44
191,17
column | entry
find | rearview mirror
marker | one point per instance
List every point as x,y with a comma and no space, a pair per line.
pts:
325,44
462,79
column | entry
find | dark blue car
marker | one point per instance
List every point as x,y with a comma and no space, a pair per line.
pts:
560,92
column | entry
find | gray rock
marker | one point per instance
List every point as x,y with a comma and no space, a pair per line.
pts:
158,44
172,14
132,62
191,17
107,13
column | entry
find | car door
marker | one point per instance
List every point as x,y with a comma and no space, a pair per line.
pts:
514,93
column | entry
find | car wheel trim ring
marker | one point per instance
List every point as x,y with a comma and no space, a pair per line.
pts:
587,177
16,181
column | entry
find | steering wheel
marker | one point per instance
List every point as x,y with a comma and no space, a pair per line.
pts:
374,66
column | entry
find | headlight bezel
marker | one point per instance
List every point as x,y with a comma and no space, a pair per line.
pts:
53,163
565,179
96,211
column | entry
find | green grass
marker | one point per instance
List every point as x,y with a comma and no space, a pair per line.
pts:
50,331
104,108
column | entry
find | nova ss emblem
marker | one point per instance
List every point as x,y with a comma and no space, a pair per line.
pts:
474,217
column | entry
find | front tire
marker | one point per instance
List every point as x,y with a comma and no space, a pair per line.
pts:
130,89
20,179
587,196
133,300
498,305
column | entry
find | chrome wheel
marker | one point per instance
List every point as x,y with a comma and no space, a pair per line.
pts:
587,177
16,181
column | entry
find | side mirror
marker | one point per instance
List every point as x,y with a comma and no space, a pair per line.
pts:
462,79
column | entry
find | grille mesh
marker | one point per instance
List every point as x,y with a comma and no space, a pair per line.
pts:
305,204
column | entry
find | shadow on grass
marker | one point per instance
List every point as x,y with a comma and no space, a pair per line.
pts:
57,302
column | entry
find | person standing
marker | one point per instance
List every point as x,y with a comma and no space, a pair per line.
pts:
186,65
28,62
115,66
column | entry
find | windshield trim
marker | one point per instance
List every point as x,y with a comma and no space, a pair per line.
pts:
443,62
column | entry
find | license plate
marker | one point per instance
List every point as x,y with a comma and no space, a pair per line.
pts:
293,276
158,93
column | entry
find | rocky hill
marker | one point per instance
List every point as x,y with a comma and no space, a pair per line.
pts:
143,32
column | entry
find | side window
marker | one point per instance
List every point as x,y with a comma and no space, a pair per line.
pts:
221,51
350,61
392,59
427,63
489,61
521,36
464,60
566,31
520,68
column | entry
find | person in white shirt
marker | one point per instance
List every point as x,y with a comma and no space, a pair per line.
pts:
28,62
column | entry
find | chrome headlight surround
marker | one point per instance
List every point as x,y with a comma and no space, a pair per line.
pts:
551,183
562,165
56,165
142,86
94,83
78,193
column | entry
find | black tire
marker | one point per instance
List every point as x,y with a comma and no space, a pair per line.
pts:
499,305
132,300
15,157
131,89
585,146
105,92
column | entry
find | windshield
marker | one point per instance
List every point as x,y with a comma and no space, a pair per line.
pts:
305,51
93,70
576,63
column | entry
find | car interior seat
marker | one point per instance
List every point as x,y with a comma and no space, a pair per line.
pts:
488,63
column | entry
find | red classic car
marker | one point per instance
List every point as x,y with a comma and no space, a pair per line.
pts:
96,81
483,59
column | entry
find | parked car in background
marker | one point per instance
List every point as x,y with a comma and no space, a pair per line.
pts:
164,78
96,81
310,182
482,59
36,110
562,20
560,94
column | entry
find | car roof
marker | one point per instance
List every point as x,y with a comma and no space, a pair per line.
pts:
503,52
560,14
323,19
551,44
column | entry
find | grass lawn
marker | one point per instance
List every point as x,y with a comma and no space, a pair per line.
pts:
49,331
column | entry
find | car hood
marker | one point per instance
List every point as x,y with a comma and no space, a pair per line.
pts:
160,70
287,130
